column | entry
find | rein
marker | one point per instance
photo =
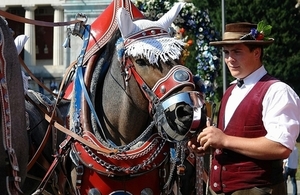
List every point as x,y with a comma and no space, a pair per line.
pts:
34,78
35,22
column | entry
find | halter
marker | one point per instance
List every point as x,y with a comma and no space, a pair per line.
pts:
160,102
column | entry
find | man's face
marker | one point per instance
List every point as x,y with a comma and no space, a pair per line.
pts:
240,60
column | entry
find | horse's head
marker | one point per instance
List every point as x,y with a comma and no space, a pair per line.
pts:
151,55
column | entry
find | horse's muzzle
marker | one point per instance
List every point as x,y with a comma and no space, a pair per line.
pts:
180,116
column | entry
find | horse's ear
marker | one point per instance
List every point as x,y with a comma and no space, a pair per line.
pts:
20,42
125,22
166,20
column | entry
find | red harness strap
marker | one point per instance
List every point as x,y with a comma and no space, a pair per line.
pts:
105,25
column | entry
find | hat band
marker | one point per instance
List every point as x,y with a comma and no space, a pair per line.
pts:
233,35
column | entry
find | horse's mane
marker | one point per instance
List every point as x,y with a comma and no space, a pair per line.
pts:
105,59
109,48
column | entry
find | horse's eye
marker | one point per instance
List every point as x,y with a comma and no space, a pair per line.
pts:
141,62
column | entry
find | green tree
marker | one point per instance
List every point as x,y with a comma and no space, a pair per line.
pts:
195,26
282,58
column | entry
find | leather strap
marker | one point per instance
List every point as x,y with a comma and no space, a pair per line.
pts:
46,178
13,179
37,80
59,126
80,139
35,22
45,139
33,77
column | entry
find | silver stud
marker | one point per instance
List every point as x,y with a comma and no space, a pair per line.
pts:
6,98
8,124
163,89
3,83
94,191
147,191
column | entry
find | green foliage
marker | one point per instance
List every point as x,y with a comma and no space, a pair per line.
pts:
196,24
282,58
264,28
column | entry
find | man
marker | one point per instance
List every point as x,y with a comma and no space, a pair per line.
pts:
258,120
290,166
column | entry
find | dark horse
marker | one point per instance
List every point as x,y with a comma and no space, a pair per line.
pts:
13,136
136,102
25,129
44,140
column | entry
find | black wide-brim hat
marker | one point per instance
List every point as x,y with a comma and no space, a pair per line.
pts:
235,31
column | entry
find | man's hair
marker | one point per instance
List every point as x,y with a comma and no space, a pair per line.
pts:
252,47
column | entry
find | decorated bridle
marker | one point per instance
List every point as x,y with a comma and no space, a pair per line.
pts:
159,100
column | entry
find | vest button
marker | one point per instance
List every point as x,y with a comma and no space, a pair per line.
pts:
215,185
218,151
223,185
215,167
224,168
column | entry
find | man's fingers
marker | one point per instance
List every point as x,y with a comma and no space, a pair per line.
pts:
208,121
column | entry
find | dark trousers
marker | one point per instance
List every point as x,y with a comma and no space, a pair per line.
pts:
292,173
278,189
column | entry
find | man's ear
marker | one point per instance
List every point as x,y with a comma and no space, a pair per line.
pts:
257,52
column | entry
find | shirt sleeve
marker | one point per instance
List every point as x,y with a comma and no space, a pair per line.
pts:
281,113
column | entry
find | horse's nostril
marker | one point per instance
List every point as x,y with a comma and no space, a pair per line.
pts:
184,113
183,118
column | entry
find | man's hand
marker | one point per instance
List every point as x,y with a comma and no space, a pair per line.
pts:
200,144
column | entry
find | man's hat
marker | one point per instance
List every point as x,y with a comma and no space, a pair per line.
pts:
246,33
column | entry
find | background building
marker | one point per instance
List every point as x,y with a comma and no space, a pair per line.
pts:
43,53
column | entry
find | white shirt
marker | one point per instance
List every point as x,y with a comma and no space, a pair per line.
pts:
281,108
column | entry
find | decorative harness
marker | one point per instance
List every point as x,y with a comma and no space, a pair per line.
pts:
13,181
97,163
149,159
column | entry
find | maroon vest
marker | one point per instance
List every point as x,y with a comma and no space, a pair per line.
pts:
231,171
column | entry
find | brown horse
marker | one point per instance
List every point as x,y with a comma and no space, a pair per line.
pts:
134,99
13,136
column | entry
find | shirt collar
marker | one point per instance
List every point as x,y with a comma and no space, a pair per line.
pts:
254,77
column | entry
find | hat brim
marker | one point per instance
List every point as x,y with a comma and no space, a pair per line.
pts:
248,42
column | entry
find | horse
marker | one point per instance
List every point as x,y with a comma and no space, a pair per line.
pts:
43,138
136,106
13,137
